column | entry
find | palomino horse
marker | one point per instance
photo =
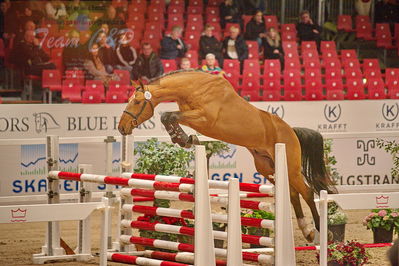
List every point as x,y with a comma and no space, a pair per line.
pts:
208,104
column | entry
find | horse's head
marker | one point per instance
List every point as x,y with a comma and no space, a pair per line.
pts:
139,109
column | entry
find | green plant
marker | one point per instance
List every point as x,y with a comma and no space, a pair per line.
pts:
330,160
348,253
393,148
260,214
383,218
335,214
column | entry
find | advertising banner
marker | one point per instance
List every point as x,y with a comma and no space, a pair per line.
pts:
352,126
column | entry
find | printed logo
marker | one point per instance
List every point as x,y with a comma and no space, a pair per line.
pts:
224,160
33,160
44,121
18,215
276,110
390,111
382,201
332,112
365,147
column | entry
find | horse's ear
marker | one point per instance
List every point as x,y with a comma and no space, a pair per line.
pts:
141,83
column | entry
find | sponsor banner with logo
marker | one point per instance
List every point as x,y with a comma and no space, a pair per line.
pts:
353,126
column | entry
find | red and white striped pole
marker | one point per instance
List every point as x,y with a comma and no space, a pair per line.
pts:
130,259
219,218
171,195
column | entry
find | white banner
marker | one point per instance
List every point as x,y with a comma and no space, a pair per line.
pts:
352,125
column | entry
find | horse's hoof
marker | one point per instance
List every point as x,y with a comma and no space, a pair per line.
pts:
313,236
193,139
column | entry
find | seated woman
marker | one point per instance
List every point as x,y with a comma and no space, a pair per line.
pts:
272,46
210,65
95,67
126,54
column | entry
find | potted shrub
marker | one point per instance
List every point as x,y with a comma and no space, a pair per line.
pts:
383,222
336,222
346,253
250,230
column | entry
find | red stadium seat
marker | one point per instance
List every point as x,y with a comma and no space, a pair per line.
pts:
198,3
195,19
253,50
376,88
193,56
310,63
351,63
334,89
332,63
71,92
124,76
371,64
353,73
288,28
312,74
251,66
91,96
175,9
308,46
212,10
355,89
194,27
116,85
51,81
393,88
175,20
169,65
344,23
292,81
333,74
271,22
95,85
177,3
116,97
194,10
233,77
327,46
313,88
271,95
250,83
272,65
348,54
292,63
232,65
364,30
292,95
78,75
391,74
192,40
372,73
290,46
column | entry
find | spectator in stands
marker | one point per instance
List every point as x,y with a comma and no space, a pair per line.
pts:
272,48
307,30
111,19
229,13
249,7
30,15
211,66
56,10
110,40
20,36
95,67
256,28
185,63
7,13
386,12
209,44
106,52
126,54
75,8
363,7
148,65
173,46
72,53
34,59
234,46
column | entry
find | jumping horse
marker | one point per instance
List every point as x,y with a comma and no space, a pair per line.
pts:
210,105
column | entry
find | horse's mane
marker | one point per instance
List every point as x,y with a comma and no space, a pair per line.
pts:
177,72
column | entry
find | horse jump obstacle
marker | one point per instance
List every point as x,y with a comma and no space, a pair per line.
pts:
283,223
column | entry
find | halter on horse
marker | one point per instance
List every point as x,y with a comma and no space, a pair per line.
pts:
208,104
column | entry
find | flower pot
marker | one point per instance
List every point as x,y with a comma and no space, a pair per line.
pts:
338,232
382,236
334,263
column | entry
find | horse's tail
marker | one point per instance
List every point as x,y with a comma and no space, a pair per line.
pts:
313,165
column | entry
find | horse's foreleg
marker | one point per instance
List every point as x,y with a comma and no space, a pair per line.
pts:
171,122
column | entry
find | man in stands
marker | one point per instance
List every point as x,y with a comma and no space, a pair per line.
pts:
148,65
234,46
209,44
72,54
106,52
307,30
110,17
173,46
